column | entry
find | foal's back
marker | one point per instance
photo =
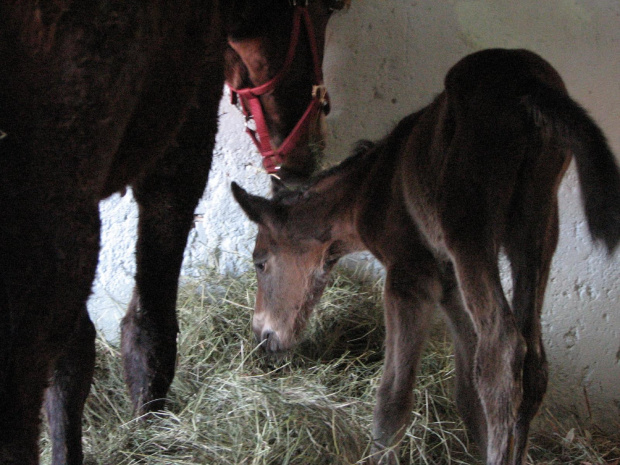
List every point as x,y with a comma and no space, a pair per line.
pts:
475,148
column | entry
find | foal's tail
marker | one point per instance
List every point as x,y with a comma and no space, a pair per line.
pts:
598,172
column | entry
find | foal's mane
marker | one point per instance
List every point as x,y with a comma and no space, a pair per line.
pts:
364,153
288,195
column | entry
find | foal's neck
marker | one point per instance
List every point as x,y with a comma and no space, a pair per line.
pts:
337,197
361,187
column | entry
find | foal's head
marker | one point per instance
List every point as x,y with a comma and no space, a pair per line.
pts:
300,239
273,66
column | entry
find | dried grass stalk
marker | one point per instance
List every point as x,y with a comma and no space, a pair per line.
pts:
231,405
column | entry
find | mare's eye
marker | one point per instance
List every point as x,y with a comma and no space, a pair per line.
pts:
260,266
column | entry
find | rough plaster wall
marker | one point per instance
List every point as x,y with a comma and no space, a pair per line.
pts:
386,58
221,237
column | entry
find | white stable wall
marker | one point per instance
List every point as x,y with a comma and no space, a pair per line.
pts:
385,59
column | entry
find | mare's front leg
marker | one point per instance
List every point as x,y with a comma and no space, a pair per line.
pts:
149,329
66,395
167,198
411,293
47,263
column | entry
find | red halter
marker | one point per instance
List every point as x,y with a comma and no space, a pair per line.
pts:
253,110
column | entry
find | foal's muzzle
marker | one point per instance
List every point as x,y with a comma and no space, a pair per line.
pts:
269,341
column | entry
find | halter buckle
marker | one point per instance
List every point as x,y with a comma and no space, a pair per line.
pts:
319,91
250,123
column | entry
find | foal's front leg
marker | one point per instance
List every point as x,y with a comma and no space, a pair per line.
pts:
409,301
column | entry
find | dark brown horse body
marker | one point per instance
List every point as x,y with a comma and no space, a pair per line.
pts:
96,96
474,173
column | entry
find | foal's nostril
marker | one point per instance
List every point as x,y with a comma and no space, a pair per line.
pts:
266,336
269,340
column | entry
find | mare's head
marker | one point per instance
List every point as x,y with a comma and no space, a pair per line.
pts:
273,67
301,236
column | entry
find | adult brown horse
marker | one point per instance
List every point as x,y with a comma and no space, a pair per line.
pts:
475,172
96,96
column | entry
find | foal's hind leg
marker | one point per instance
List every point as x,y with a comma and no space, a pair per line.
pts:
65,397
530,251
167,198
500,350
465,343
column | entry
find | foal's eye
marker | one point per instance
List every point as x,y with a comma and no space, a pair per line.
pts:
333,255
260,266
330,261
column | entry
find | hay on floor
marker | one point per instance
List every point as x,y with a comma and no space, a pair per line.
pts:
231,405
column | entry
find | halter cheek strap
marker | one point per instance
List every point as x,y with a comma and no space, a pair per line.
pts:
249,99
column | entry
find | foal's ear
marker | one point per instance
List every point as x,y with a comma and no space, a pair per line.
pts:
255,207
277,185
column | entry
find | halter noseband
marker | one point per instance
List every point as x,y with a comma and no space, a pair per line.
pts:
252,109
